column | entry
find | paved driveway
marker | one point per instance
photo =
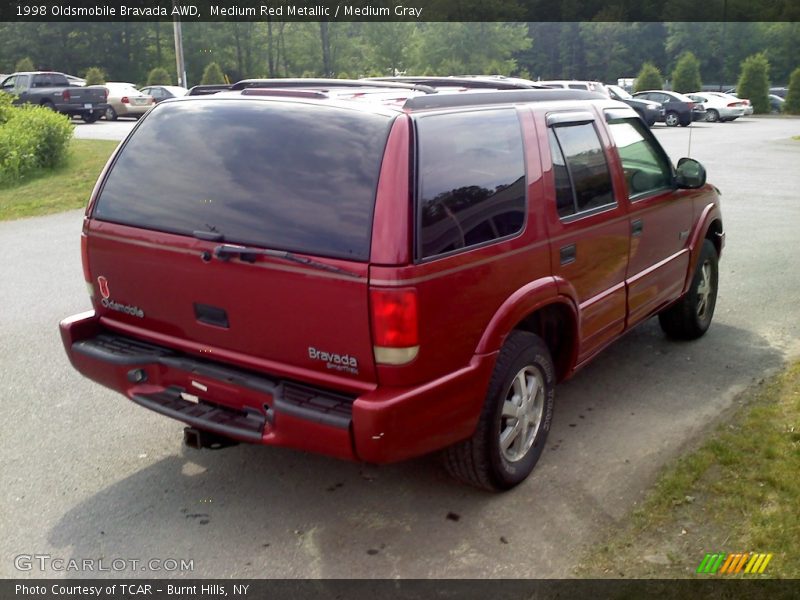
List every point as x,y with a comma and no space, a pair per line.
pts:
87,474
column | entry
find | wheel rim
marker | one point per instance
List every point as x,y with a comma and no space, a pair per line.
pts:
523,409
672,119
704,290
109,113
712,116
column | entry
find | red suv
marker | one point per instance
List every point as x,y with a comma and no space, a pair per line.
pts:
378,270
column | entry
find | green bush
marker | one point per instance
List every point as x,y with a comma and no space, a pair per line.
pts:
649,78
212,74
95,76
754,82
686,76
31,137
159,76
792,105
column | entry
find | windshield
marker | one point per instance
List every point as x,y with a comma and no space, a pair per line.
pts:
283,175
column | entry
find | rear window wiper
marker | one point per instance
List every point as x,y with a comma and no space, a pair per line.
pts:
248,254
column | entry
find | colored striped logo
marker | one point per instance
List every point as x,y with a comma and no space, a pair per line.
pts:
731,564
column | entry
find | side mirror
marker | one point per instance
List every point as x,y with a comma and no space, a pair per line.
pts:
690,174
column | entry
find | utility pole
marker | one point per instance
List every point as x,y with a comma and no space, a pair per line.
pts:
176,28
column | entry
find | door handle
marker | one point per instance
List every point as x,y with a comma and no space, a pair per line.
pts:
568,254
637,226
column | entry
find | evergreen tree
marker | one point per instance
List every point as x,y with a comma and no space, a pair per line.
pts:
792,105
686,76
754,82
159,76
212,74
649,78
25,64
95,76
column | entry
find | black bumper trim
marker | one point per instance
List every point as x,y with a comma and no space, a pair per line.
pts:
246,426
302,401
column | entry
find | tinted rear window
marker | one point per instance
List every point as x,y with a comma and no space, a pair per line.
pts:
280,175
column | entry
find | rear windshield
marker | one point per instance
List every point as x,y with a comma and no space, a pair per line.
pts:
279,175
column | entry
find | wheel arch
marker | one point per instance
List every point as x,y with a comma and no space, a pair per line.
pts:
540,308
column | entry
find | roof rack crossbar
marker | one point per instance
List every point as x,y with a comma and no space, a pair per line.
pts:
518,96
477,82
327,84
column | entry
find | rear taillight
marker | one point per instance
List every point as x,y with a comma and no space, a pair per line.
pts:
691,105
394,325
125,100
87,277
65,95
734,104
105,93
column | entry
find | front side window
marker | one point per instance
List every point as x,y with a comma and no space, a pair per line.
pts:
471,180
647,169
577,154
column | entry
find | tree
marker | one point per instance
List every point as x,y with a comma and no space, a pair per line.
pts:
686,76
95,76
754,82
212,74
25,64
159,76
792,105
649,78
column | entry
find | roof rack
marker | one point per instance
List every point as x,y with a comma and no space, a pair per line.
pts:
493,82
205,90
513,96
325,84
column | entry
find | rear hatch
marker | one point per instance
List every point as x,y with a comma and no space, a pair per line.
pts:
240,229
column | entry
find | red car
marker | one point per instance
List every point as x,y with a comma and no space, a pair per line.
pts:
378,270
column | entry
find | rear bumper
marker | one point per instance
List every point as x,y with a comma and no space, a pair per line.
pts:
381,426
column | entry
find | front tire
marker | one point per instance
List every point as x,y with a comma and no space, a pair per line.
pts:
690,317
712,116
515,419
111,114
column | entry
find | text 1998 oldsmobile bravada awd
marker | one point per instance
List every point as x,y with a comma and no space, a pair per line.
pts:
376,270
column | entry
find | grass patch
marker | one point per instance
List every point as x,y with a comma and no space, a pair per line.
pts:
739,492
63,188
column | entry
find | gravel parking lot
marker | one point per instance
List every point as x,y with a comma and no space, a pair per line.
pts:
87,474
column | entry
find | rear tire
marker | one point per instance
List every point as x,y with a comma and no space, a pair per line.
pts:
671,119
91,117
514,421
690,317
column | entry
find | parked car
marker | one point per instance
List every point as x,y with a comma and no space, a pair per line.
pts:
649,111
124,100
52,90
571,84
405,276
164,92
76,81
748,106
719,108
678,109
776,104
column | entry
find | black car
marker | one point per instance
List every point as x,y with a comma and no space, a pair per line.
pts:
678,109
649,111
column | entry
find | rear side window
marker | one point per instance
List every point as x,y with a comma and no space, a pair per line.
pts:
579,161
279,175
471,180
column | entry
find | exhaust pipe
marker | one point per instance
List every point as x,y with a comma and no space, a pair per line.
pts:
199,439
